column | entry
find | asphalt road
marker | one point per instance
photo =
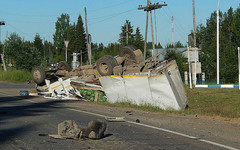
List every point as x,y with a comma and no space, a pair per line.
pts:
26,121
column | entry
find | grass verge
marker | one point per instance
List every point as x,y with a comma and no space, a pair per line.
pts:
204,102
15,76
214,102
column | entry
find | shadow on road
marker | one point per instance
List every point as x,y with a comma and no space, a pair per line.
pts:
21,108
7,134
15,107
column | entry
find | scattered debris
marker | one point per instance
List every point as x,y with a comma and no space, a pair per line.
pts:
24,93
41,134
196,115
68,129
137,121
94,130
33,94
115,119
60,89
129,111
153,81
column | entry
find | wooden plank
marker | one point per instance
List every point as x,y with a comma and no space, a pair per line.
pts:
96,97
87,88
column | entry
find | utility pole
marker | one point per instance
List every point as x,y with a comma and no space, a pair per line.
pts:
2,23
218,42
66,45
149,9
190,67
153,44
239,67
127,32
155,26
88,46
172,30
194,26
44,51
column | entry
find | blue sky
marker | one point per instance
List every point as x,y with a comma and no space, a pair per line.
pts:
105,17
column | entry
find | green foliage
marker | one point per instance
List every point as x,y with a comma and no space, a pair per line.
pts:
111,49
229,41
180,60
38,44
71,36
28,57
80,39
178,44
20,53
90,95
61,30
1,48
123,36
15,76
48,49
138,39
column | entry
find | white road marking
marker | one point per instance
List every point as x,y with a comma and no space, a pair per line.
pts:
161,129
145,125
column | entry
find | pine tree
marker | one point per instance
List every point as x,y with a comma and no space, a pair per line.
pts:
38,44
71,36
80,40
122,35
138,39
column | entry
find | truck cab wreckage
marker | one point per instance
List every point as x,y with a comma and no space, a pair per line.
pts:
124,78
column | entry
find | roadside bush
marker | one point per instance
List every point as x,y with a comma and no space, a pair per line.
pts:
15,76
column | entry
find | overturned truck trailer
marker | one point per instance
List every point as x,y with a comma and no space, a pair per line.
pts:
163,88
125,78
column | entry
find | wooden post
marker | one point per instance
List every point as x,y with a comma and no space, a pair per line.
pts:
153,44
149,8
145,41
87,36
127,33
96,97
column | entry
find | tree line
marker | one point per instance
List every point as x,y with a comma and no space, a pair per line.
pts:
229,41
24,54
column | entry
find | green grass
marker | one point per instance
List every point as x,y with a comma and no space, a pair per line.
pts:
204,102
214,102
15,76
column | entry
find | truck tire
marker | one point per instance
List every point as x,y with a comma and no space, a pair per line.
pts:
105,65
38,75
63,65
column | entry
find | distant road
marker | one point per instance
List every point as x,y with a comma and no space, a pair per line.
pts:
24,122
4,85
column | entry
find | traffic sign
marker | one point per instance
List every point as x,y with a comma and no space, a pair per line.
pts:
66,44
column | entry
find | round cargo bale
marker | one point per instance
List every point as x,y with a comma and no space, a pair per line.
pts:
63,65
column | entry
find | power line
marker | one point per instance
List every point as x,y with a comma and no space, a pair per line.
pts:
27,15
20,30
111,6
112,16
178,23
34,22
169,22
